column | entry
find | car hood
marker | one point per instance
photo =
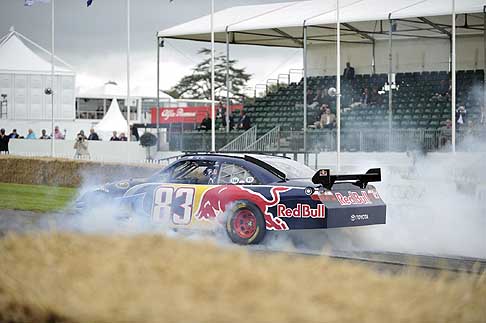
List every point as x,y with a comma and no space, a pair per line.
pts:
122,185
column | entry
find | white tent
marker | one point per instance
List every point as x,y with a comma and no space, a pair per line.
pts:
110,90
113,120
16,56
281,24
25,71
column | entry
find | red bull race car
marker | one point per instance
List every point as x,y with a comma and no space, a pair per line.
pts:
248,195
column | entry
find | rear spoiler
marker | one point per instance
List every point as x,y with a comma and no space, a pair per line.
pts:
324,178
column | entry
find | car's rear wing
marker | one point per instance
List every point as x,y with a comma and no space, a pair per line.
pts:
324,178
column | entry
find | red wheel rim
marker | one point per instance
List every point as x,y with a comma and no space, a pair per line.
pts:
245,224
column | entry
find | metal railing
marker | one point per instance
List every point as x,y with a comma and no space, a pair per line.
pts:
365,140
267,142
243,141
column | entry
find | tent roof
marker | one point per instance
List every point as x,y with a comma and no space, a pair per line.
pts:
113,120
110,91
17,57
280,24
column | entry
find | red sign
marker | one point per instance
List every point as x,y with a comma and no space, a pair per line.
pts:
186,114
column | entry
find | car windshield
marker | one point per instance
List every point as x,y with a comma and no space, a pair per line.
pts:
290,167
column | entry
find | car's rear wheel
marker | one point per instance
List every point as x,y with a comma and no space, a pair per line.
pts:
245,223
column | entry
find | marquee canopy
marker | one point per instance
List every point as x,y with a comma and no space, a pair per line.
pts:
113,120
17,57
281,24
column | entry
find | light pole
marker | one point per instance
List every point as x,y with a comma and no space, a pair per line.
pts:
213,114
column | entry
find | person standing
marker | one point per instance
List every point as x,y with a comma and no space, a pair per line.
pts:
206,123
4,139
93,135
114,137
81,147
14,134
123,137
31,135
44,135
244,122
58,134
348,72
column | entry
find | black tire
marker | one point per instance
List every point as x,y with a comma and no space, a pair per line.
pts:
245,233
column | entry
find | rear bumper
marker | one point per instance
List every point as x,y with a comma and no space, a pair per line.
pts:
356,216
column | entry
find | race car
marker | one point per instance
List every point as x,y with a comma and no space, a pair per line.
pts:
247,195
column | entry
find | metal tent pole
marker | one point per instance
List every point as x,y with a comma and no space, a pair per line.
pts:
390,77
213,115
453,76
157,113
227,83
484,57
128,71
373,59
305,87
338,89
52,76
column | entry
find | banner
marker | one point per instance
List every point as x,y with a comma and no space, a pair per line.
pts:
186,114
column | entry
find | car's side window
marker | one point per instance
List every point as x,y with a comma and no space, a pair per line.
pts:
192,172
235,174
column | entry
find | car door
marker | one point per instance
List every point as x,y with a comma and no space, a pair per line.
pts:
175,201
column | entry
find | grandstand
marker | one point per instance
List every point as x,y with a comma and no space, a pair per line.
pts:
403,52
415,106
417,113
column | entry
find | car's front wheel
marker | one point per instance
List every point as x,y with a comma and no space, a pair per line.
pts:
245,223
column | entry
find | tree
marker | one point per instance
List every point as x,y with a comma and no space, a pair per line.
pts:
148,140
198,84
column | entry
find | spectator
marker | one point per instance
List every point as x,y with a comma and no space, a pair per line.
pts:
324,98
14,134
81,146
445,134
114,137
44,135
231,121
93,135
134,133
58,134
365,97
123,137
4,139
461,116
317,96
244,122
206,123
348,72
309,96
328,119
31,135
322,110
81,133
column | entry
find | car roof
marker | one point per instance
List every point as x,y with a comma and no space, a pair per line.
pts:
250,158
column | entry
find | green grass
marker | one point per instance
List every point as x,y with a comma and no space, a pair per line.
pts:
36,198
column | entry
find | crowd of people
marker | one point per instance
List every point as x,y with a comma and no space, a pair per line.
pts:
244,121
80,144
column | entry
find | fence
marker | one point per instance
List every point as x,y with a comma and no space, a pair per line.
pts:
268,142
242,141
366,140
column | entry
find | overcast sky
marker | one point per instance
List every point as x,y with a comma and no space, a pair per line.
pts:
93,39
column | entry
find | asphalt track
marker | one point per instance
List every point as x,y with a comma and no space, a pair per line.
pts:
387,262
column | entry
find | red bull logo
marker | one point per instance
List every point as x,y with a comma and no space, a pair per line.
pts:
353,198
302,211
215,201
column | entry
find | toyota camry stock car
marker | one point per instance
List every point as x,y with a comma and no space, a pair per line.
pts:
247,195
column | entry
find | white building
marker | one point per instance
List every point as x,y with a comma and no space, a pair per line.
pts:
25,72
